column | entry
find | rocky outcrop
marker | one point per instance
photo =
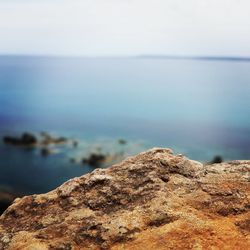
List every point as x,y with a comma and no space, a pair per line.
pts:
155,200
28,139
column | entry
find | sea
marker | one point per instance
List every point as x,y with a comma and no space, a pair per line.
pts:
199,108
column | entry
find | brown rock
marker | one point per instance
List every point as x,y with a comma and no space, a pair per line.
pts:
154,200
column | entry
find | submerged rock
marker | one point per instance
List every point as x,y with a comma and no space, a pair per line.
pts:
122,141
155,200
46,152
216,159
95,160
75,144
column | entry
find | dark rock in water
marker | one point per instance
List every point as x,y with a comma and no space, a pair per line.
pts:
122,141
27,139
45,152
94,160
75,144
216,159
11,140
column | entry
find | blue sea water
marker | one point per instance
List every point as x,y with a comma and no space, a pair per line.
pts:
196,107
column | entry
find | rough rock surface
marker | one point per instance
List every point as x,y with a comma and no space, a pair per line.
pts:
155,200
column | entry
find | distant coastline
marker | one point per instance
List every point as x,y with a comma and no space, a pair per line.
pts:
201,58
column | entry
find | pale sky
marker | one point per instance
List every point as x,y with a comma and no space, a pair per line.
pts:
125,27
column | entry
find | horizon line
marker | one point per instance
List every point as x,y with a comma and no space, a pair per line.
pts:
142,56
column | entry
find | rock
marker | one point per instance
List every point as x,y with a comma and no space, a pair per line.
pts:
26,139
155,200
122,141
46,152
95,160
216,159
75,144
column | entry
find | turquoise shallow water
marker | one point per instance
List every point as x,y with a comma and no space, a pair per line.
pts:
198,108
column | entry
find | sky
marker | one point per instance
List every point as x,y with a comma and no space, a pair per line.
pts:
125,27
